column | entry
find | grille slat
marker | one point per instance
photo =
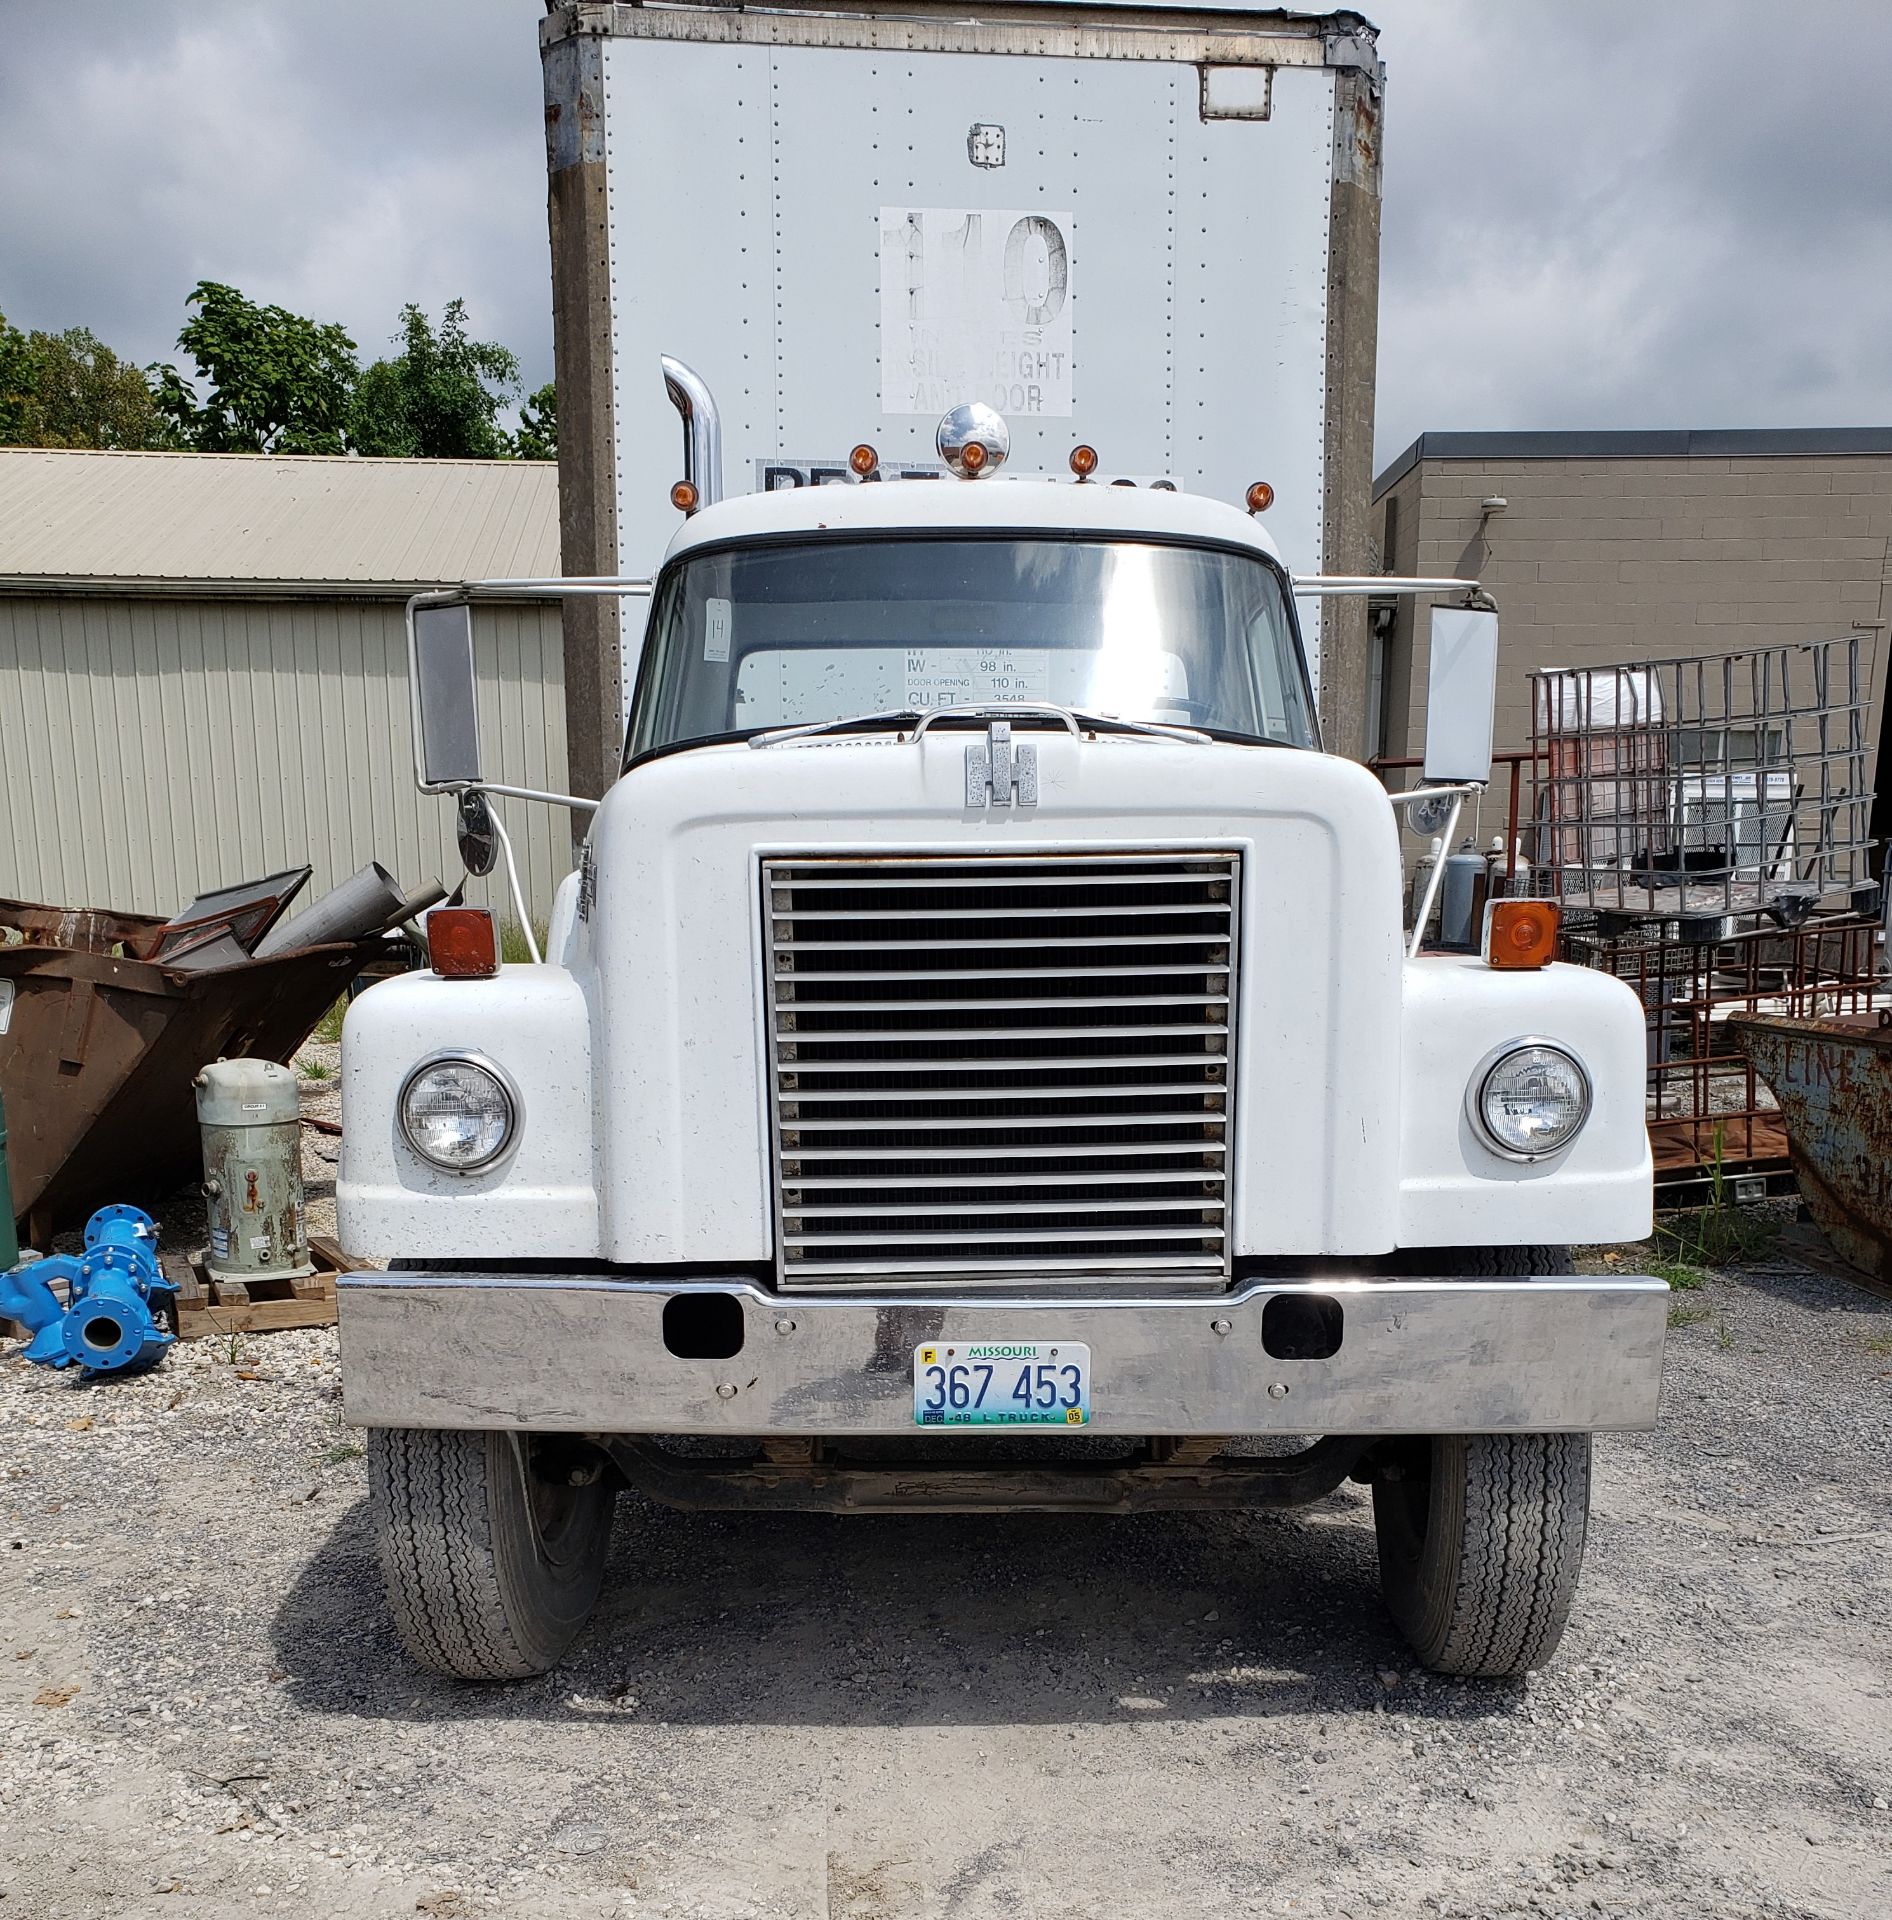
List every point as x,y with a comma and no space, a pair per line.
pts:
820,916
975,1080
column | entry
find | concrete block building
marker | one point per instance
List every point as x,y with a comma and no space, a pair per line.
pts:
1605,547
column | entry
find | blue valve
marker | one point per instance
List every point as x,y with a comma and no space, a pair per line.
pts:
117,1299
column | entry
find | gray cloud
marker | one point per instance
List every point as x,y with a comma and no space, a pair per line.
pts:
338,159
1606,214
1625,215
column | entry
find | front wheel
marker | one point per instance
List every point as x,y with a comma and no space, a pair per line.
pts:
1481,1543
493,1559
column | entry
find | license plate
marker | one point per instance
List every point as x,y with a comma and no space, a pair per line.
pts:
1002,1383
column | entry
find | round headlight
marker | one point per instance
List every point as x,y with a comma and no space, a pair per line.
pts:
457,1114
1530,1099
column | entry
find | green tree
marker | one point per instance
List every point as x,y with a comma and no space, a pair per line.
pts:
440,397
537,438
279,383
71,390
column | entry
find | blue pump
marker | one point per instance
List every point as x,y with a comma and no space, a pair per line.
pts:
117,1299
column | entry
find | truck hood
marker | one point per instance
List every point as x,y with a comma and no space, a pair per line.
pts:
669,944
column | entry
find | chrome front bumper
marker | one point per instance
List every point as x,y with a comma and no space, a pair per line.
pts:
587,1355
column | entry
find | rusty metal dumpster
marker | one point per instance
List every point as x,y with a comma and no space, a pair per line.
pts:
1833,1079
98,1048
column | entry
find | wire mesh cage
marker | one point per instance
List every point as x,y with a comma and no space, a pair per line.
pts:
1710,784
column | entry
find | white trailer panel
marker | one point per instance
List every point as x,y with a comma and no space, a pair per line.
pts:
1148,230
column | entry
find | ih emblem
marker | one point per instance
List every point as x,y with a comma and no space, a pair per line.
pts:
998,768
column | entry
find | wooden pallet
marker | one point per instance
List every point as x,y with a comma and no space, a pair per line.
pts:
206,1309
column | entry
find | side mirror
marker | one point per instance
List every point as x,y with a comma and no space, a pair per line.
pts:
1461,691
442,689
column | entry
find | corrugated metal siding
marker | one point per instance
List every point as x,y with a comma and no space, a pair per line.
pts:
180,517
151,748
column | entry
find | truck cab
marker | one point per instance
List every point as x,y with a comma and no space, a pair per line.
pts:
979,1062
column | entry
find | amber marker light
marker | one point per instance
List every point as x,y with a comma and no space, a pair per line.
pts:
683,496
973,457
1083,461
1260,497
462,944
864,460
1521,935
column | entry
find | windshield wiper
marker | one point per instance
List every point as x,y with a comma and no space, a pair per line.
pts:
900,715
1075,718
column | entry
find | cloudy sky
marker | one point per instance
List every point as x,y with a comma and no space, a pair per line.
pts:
1623,213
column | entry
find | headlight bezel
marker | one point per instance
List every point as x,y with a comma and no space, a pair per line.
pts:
1480,1081
508,1092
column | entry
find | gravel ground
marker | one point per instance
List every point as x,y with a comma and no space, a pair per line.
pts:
203,1711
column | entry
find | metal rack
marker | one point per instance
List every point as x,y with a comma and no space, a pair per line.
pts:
1704,822
1714,785
1706,1106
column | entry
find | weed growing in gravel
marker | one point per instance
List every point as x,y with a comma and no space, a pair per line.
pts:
1718,1235
328,1029
1684,1313
1879,1343
1679,1274
1723,1338
336,1455
315,1070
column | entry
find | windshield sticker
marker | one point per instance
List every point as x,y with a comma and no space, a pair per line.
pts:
955,676
975,305
716,623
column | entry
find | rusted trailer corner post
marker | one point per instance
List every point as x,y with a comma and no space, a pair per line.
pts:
9,1239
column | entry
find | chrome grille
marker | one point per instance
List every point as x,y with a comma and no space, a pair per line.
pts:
988,1070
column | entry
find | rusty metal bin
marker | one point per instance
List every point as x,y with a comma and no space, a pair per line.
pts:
1833,1079
100,1046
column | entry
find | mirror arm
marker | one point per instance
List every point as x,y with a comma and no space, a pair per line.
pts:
512,881
1361,586
1433,790
1437,874
576,586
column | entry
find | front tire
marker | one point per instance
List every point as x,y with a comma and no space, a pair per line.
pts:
492,1566
1481,1536
1481,1545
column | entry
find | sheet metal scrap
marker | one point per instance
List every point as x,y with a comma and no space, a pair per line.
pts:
1833,1079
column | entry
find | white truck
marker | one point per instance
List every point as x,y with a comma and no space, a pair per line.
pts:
977,1061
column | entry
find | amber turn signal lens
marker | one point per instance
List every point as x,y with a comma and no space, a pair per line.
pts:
1521,933
1083,461
683,496
462,943
864,460
1260,497
973,456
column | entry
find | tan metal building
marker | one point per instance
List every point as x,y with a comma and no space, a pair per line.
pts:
203,669
1603,547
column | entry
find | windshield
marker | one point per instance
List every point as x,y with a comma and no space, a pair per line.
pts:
777,636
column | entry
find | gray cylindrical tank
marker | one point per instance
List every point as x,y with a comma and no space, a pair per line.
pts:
250,1115
1461,890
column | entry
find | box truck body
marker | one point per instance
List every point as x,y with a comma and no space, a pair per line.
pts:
1151,231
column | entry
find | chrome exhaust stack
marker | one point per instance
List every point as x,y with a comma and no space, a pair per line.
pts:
702,430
